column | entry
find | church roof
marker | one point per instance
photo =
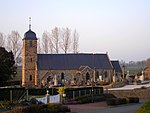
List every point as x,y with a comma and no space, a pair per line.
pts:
30,35
116,66
72,61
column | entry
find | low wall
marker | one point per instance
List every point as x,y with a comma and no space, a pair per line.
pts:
141,93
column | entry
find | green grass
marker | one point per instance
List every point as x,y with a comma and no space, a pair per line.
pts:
145,108
39,96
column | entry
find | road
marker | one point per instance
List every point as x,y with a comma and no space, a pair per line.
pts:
130,108
102,107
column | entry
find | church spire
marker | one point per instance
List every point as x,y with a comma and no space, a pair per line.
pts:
29,23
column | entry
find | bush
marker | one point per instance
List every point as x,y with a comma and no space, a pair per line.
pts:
123,100
34,101
116,101
145,108
111,101
50,108
89,99
133,99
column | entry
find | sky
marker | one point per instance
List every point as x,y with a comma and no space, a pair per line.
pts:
119,27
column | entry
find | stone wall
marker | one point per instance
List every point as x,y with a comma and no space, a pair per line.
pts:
141,93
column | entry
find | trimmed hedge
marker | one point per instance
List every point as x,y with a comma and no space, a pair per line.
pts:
86,99
133,99
47,108
119,101
116,101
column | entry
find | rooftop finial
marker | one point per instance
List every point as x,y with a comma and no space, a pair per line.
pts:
29,23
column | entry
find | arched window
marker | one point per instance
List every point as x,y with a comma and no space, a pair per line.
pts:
30,78
62,76
87,76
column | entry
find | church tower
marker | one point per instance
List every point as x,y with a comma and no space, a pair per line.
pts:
29,58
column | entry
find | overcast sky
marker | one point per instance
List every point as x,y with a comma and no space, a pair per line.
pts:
119,27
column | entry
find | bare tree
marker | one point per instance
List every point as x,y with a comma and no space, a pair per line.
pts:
75,42
51,46
55,39
2,40
14,45
45,42
65,39
39,45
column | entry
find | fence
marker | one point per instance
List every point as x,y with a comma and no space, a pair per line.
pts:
50,99
12,94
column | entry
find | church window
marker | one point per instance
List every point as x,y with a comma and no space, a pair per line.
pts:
30,43
31,59
30,78
87,76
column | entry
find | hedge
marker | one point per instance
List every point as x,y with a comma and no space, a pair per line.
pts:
47,108
119,101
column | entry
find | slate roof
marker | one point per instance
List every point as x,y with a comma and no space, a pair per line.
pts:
116,66
30,35
72,61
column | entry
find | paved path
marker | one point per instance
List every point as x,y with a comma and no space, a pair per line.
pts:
87,107
101,107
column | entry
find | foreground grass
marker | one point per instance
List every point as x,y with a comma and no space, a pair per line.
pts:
145,108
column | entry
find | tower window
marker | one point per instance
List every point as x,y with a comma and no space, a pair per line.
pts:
31,59
30,43
30,77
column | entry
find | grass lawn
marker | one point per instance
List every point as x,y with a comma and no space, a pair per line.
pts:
145,108
39,96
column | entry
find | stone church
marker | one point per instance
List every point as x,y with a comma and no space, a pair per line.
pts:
40,70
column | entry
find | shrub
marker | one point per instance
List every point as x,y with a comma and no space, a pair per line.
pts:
122,100
34,101
26,109
116,101
133,99
111,101
56,108
64,109
50,108
89,99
